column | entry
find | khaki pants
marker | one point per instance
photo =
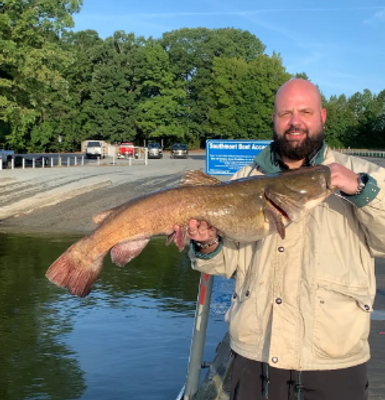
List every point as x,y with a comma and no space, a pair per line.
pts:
252,380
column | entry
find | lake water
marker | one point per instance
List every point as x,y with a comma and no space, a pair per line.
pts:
129,339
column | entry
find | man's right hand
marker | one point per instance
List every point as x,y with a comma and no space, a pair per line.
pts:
201,231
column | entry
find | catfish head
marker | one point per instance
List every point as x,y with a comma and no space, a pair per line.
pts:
295,193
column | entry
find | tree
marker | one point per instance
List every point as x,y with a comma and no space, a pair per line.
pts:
163,97
115,88
242,95
192,53
30,61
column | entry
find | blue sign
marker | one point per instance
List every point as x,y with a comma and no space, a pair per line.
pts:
225,157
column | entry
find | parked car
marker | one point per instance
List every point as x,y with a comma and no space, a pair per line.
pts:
126,150
179,150
6,156
154,150
94,149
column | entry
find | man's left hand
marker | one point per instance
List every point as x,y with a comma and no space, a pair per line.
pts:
343,178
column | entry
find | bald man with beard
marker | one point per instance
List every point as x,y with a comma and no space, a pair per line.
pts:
300,315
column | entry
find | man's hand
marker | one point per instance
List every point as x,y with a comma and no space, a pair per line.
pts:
199,231
343,178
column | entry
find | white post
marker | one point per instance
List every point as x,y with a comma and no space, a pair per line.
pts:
82,160
51,162
75,161
129,161
113,159
33,163
12,163
1,163
145,157
42,162
23,163
68,162
98,160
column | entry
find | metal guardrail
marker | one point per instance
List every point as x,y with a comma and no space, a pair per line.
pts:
23,162
363,153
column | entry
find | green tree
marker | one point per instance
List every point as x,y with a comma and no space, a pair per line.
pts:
115,88
163,98
31,58
192,53
68,117
243,96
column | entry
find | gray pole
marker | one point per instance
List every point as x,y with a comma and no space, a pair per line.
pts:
199,335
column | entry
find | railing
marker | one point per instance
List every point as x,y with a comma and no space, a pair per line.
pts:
196,363
363,153
23,162
60,160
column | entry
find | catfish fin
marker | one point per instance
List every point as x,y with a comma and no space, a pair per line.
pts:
76,270
179,237
274,216
290,203
101,216
124,252
196,178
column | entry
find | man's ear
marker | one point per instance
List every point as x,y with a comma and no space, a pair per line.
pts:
323,116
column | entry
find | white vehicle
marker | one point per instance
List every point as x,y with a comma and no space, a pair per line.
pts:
6,156
95,149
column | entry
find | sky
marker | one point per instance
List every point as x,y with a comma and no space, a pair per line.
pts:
340,44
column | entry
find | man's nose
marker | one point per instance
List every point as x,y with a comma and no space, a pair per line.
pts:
295,119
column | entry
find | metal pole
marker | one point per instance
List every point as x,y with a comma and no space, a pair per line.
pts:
199,335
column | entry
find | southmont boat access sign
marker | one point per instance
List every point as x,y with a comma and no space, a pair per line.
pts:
225,157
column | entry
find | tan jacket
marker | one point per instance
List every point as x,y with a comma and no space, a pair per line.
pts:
304,303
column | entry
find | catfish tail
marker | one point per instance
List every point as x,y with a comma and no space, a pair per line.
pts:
75,271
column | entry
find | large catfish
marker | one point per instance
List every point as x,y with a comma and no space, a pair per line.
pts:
247,209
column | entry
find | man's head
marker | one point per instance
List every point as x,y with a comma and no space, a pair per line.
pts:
298,119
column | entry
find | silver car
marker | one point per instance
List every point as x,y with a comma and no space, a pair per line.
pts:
179,150
154,150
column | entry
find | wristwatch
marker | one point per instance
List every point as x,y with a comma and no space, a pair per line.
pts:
362,180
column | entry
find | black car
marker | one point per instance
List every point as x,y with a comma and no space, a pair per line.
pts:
154,150
179,150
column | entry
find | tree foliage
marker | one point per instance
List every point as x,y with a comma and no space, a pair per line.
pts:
31,60
189,85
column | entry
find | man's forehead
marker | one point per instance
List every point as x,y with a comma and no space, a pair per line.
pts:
298,100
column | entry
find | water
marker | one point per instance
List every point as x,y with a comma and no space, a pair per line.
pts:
129,339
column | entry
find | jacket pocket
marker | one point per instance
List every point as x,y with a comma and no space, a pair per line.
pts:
341,320
243,319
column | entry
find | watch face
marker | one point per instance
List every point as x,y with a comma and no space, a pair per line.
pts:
361,182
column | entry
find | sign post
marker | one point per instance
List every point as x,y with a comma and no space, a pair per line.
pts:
59,138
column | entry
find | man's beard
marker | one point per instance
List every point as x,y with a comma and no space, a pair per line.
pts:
301,150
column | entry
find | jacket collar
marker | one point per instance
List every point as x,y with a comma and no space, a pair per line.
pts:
269,160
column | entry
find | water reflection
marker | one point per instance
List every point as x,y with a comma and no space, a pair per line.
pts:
34,362
129,339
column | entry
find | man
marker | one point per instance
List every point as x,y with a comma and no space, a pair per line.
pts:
300,314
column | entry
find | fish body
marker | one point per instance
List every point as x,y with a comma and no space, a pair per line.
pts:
242,210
